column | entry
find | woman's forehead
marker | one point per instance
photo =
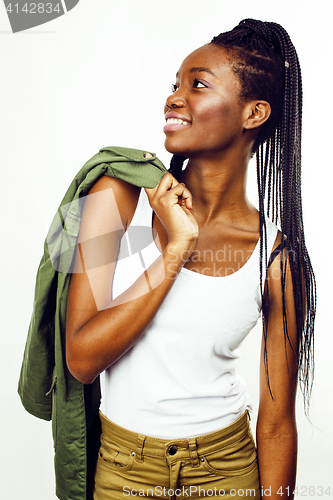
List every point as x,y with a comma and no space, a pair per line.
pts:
210,58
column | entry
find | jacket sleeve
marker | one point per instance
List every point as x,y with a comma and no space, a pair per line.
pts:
38,361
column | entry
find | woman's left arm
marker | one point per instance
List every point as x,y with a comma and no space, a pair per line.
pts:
276,424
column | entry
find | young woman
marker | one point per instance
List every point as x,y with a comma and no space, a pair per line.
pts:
174,411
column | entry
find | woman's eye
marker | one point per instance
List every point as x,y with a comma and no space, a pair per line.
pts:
198,85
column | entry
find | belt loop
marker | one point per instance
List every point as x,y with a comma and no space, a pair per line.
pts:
141,442
193,452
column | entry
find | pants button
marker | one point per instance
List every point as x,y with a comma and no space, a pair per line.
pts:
172,449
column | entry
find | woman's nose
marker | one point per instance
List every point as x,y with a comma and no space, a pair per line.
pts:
175,100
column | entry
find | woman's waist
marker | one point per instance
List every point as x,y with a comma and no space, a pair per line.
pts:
161,410
205,443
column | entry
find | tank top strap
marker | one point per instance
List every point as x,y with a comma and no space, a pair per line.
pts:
272,231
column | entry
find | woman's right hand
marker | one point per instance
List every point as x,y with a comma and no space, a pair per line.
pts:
172,203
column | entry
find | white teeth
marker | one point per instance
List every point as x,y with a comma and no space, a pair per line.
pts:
176,120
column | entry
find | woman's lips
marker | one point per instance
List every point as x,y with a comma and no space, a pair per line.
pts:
173,123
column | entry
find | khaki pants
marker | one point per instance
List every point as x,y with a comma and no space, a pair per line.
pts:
221,464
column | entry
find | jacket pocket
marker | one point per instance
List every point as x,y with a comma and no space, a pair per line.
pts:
62,240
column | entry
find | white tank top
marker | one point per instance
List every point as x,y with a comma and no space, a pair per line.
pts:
179,380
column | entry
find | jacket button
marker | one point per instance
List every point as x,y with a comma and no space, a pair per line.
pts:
149,156
172,449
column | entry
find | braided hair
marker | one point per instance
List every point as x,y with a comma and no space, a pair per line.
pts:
265,61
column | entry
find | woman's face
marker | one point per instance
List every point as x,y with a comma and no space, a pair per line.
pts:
204,114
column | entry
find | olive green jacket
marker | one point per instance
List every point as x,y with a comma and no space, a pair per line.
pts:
46,387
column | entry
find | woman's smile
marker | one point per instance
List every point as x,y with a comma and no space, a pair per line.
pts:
175,121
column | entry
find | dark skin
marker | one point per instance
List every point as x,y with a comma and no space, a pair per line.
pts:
205,212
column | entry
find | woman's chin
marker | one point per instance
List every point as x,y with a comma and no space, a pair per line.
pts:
175,149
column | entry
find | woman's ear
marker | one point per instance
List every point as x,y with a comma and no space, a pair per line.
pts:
256,113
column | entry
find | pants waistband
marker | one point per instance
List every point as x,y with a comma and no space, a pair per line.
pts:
141,445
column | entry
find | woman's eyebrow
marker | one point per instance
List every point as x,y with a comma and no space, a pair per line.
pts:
200,69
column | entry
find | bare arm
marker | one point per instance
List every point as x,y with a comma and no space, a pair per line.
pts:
276,425
100,330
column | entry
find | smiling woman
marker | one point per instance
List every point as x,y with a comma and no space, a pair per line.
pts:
161,328
232,98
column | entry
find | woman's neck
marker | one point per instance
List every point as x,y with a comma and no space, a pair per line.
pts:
218,188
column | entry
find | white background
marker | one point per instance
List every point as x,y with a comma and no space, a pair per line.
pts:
99,76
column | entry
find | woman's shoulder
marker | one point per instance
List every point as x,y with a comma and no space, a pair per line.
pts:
124,194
